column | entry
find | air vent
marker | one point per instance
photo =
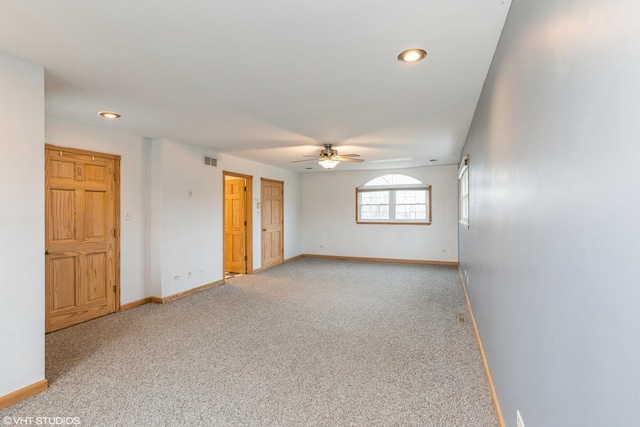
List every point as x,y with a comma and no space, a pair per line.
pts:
210,161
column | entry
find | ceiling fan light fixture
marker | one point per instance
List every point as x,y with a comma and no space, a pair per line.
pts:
328,163
109,115
412,55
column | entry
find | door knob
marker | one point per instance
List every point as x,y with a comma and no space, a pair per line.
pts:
264,229
47,251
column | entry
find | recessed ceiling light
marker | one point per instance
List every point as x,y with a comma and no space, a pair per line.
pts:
412,55
308,168
109,115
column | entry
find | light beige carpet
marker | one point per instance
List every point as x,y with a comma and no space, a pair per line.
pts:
310,343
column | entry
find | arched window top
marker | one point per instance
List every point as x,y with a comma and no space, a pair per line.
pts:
392,179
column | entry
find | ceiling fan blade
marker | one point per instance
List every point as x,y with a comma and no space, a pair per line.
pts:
305,160
329,153
348,159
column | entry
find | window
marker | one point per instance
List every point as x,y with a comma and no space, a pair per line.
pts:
463,192
395,199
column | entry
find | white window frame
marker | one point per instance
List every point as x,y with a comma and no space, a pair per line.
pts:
463,192
393,189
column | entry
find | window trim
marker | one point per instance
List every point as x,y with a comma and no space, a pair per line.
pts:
463,180
394,188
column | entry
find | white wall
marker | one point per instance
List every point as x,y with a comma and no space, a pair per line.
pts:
186,230
189,231
330,219
133,171
293,216
154,214
21,224
553,245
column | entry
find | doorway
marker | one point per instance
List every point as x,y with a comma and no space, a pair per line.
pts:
237,220
82,236
272,222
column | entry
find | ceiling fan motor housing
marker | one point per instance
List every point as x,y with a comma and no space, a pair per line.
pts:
328,152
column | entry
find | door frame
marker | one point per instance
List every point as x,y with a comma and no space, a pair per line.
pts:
248,211
262,181
116,221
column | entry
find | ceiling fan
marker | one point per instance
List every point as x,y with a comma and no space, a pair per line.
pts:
329,158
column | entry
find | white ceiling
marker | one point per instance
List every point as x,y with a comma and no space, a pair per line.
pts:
267,80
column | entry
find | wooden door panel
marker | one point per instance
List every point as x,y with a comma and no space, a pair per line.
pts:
237,245
61,169
267,212
234,225
96,173
272,223
276,212
97,214
63,276
62,215
237,217
65,318
81,202
276,238
96,268
266,247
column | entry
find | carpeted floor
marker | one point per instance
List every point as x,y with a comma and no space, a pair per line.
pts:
312,342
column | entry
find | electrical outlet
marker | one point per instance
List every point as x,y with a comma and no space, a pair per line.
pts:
176,276
189,274
519,421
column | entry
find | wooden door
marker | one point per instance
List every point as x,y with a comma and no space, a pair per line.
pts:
272,223
81,236
234,225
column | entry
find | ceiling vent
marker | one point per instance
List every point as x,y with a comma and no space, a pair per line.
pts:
210,161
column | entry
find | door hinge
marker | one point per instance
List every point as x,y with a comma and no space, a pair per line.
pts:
115,233
245,257
245,188
115,289
245,223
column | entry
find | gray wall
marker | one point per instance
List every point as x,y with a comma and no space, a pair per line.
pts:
553,247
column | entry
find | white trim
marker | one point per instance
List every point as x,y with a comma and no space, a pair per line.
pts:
463,199
464,165
392,187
